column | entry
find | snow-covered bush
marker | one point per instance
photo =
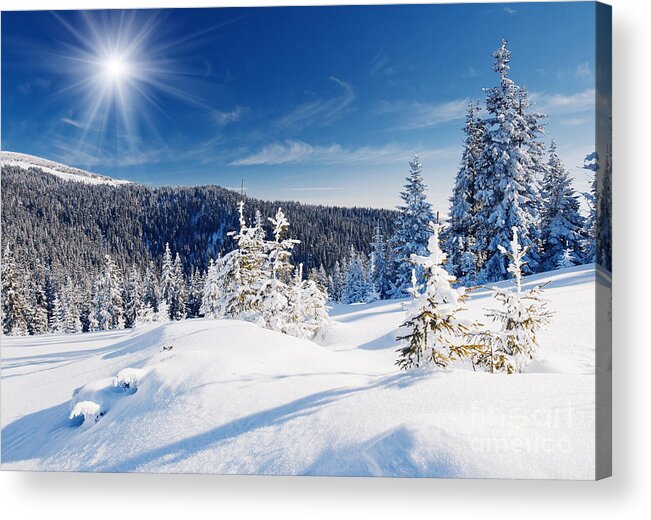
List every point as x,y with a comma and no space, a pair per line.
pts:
128,379
433,324
88,411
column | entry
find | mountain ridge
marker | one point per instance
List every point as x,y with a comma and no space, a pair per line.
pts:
60,170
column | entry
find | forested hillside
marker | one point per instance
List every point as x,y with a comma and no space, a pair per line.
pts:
67,227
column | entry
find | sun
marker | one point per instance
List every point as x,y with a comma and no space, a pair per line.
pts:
121,67
115,68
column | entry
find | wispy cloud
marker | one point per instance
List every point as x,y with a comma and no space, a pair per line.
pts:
415,115
574,121
321,111
559,104
34,84
379,65
509,10
223,118
298,152
315,188
470,73
74,122
583,71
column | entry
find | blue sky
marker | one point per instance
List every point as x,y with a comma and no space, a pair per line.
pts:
318,104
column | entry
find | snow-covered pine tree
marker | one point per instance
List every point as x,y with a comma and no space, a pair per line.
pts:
14,302
177,291
108,304
507,187
354,290
459,236
568,259
604,222
562,223
307,312
163,313
320,278
412,232
132,300
167,280
370,285
315,319
433,326
591,163
71,318
36,310
195,294
522,315
274,290
212,292
58,319
279,250
379,265
150,289
338,282
245,272
50,292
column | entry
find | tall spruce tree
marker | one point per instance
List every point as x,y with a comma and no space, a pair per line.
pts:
591,163
108,304
132,299
511,167
14,303
195,294
36,312
177,291
354,290
459,236
562,223
167,280
604,221
150,289
412,228
71,308
58,319
379,265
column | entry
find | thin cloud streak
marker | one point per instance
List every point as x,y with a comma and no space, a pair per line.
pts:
298,152
223,118
321,111
560,104
414,115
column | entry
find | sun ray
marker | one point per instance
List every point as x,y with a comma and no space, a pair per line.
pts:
122,64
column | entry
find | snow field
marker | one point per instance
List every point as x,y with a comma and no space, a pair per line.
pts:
230,397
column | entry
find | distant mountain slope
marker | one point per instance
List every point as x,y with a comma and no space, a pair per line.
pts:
62,171
67,227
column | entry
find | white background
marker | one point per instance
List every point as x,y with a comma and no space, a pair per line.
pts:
627,494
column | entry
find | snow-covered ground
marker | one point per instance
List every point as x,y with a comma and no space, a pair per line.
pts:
67,173
232,398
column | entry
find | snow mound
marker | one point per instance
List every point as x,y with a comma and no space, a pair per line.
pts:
59,170
128,379
88,411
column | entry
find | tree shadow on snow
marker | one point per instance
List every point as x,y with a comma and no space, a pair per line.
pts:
184,448
35,435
